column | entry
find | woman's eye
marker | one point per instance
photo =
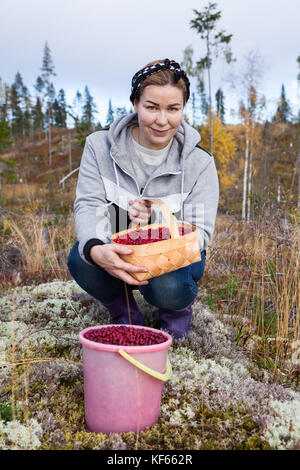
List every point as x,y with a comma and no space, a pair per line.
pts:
151,107
173,109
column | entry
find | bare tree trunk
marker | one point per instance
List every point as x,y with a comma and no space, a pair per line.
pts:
70,152
250,171
298,205
210,99
293,179
265,177
194,109
249,187
49,136
1,225
210,115
245,173
278,191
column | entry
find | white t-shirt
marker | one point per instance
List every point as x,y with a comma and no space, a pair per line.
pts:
144,160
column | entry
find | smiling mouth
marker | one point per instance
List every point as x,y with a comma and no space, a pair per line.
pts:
159,131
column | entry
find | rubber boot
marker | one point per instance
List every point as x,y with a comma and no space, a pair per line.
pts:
119,310
176,322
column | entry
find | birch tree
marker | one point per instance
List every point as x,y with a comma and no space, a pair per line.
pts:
194,71
205,23
251,104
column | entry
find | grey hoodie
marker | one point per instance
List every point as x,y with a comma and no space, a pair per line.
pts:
186,181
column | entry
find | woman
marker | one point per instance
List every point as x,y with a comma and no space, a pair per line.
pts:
152,153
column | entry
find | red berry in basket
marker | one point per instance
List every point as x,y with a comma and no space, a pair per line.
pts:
143,237
125,336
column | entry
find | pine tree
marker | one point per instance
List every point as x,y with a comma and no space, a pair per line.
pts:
121,111
15,110
77,107
5,134
39,85
27,112
89,109
5,142
220,105
38,116
59,110
204,101
110,114
48,72
205,24
21,107
283,110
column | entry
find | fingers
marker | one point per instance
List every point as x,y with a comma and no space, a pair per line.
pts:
132,268
140,211
140,205
120,264
139,220
121,249
124,276
137,208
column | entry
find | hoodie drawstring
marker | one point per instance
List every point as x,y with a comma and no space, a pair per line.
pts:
182,181
181,190
118,186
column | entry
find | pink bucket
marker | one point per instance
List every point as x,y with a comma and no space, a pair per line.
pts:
123,384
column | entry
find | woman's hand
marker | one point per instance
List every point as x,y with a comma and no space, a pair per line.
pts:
107,256
140,211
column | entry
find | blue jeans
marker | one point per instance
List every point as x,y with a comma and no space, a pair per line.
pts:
175,290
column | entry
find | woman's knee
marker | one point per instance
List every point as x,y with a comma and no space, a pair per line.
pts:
168,291
72,262
76,264
73,255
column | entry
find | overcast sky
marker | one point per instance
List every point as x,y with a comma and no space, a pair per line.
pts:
103,43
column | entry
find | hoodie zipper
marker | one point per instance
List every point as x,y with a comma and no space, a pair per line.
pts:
157,176
140,192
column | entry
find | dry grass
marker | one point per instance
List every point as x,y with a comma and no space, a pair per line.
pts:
254,271
44,243
252,275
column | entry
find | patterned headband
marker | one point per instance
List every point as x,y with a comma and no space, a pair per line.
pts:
140,76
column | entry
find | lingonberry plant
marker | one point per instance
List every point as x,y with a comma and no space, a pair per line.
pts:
125,336
143,237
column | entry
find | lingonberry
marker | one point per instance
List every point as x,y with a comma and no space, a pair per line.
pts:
143,237
125,336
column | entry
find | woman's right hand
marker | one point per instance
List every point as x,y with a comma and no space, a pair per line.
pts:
107,256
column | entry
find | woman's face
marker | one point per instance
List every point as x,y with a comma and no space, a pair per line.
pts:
160,111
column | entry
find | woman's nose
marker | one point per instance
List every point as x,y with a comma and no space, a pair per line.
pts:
161,118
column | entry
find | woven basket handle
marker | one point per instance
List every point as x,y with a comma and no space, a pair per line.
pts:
171,221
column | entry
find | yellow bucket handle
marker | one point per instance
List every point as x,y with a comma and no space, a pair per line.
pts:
164,377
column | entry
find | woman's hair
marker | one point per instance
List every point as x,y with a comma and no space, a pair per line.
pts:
163,77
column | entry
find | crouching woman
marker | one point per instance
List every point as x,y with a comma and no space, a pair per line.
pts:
151,153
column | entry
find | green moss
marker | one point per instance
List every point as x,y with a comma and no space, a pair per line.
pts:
5,411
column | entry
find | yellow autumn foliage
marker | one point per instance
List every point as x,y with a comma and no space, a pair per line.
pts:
225,149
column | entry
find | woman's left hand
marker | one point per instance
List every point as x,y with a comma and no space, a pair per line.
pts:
140,211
